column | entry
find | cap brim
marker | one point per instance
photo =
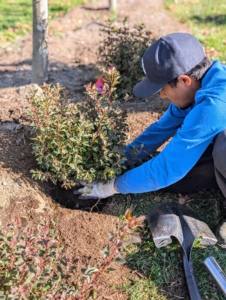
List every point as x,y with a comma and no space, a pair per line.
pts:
146,88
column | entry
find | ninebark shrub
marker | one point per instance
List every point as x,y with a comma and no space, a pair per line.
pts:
79,141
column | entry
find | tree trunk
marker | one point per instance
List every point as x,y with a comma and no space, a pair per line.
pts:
40,42
112,4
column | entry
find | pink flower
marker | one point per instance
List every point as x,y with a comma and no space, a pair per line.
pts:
100,85
100,82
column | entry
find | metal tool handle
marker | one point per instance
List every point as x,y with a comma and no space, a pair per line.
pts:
216,271
190,279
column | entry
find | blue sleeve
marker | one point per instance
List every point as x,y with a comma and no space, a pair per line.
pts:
179,156
156,134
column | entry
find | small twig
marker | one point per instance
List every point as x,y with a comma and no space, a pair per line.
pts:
90,23
95,205
139,274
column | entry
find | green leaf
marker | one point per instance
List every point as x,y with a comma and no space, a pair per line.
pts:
92,293
119,260
106,251
29,278
89,271
47,288
72,139
76,287
19,262
110,270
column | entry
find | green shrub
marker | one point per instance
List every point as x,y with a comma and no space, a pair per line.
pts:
123,47
79,141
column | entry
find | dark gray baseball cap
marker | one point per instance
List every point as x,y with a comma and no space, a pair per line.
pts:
166,59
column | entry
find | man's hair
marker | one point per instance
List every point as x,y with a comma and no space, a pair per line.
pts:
197,72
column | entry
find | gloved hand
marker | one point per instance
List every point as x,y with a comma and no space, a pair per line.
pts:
97,190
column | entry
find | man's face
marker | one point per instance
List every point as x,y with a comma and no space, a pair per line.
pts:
183,94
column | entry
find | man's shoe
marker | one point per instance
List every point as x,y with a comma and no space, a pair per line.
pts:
221,235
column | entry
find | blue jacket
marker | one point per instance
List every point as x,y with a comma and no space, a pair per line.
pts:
193,129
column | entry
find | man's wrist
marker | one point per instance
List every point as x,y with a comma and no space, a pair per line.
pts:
115,187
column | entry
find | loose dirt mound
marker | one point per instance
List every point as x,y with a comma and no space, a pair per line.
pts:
73,43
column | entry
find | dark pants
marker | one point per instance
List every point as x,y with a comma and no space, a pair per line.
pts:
208,173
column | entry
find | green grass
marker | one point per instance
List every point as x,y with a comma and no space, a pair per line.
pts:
207,20
16,16
161,269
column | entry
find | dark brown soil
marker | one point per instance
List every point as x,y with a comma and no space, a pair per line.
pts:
68,199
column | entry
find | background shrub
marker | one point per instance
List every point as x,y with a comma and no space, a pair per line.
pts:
123,47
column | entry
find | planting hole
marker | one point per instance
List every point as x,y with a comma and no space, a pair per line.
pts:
68,199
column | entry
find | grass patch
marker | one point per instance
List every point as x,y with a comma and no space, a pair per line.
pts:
161,270
143,290
16,16
207,19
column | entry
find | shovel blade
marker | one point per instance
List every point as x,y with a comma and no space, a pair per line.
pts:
172,219
164,223
201,229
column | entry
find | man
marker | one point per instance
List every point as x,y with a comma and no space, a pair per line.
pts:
195,158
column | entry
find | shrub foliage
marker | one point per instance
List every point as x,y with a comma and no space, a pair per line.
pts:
32,263
123,47
79,141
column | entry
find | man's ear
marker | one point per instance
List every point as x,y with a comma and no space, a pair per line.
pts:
185,79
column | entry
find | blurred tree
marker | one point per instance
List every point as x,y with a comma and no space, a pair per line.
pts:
113,4
40,42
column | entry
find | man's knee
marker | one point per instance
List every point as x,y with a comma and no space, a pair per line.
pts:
219,151
219,158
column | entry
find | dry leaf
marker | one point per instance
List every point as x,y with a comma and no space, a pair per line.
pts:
157,198
127,214
183,199
141,218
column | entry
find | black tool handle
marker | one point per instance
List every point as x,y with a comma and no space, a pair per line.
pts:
190,279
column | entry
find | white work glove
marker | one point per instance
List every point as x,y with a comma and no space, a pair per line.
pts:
97,190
